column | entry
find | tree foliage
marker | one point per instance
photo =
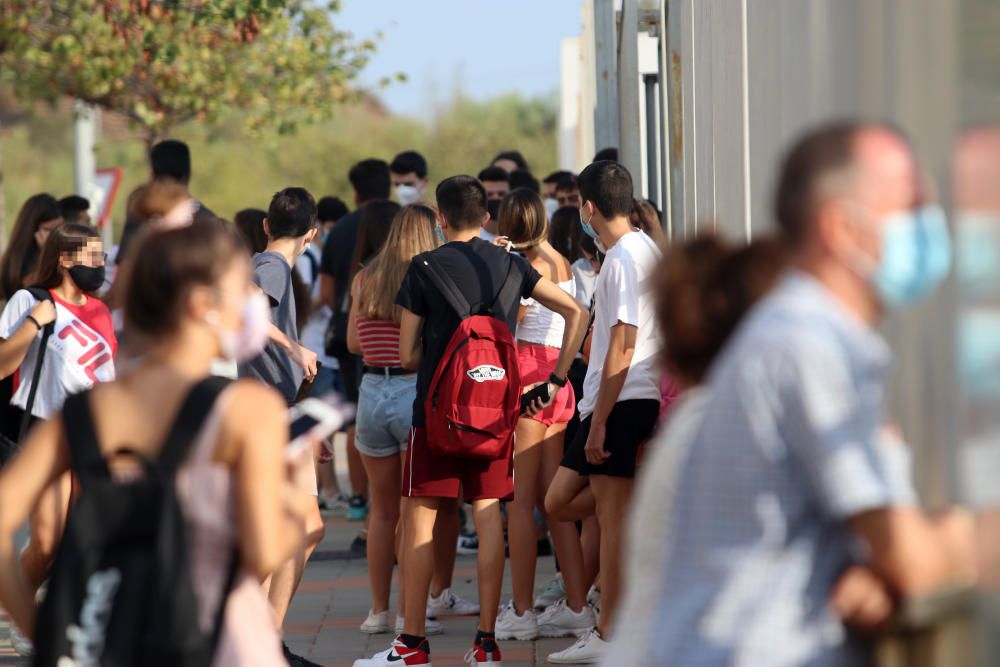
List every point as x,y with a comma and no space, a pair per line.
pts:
164,62
232,170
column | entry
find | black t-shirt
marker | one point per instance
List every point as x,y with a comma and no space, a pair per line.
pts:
479,269
338,252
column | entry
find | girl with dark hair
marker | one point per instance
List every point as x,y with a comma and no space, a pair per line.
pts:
250,222
189,299
373,230
79,353
565,232
538,447
37,218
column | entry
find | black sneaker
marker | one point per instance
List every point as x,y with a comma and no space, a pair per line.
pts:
296,660
359,547
468,545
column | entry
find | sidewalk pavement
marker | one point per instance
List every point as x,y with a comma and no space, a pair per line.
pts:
334,598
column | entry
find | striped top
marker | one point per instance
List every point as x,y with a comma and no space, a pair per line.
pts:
379,342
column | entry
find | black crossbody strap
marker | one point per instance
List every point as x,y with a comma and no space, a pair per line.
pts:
190,418
41,295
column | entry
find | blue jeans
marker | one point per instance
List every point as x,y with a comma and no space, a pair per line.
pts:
385,413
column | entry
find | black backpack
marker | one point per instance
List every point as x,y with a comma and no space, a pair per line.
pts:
121,592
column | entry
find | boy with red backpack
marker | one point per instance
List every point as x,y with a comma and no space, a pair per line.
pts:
460,307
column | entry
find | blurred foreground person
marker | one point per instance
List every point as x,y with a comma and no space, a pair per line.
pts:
792,468
189,298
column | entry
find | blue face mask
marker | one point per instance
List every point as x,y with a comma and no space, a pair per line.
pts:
916,255
587,228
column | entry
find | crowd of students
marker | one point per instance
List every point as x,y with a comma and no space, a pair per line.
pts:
504,341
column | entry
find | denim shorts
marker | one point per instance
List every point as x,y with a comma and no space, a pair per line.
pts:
385,414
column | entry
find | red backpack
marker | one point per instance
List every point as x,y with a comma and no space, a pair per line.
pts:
473,403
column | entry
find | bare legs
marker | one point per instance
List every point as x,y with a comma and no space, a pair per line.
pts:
385,477
612,495
285,581
47,523
419,516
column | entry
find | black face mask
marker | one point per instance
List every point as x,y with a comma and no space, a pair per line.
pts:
87,278
493,206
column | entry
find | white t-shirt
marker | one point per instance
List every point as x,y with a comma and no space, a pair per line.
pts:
625,294
80,352
586,281
313,335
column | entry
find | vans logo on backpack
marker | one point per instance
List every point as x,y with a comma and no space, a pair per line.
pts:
487,373
87,638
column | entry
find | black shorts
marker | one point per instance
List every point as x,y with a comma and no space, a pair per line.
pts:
350,376
630,424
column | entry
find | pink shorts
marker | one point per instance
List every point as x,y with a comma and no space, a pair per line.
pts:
537,363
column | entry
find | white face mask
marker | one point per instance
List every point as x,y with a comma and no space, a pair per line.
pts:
408,194
551,206
249,340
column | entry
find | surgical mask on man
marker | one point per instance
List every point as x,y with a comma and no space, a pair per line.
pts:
408,194
588,229
551,206
916,256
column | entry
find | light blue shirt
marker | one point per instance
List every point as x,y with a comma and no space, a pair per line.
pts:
791,445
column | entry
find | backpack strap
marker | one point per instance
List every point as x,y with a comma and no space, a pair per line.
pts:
40,294
449,290
195,409
86,458
453,295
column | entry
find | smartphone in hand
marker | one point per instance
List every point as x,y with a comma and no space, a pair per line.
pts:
539,392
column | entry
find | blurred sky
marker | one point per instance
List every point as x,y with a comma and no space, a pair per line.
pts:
487,47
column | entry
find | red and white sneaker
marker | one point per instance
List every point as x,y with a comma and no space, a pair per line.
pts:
480,657
398,655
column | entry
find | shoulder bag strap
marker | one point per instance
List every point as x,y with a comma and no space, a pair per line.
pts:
41,295
192,415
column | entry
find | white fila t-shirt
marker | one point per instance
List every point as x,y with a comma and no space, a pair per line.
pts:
81,351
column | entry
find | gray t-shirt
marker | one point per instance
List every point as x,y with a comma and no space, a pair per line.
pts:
274,277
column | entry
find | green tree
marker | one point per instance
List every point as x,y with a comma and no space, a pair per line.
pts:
161,63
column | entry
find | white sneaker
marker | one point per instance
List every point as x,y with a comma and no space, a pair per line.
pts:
397,655
594,597
554,591
561,621
431,627
450,604
588,650
376,624
512,626
22,645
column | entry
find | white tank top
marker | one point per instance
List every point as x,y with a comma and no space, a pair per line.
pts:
542,326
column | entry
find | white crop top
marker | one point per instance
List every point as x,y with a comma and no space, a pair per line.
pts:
542,326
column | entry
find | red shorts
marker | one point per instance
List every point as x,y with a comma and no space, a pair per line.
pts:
428,476
537,363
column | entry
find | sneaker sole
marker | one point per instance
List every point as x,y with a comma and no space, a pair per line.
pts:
552,632
437,613
572,661
523,636
467,552
381,630
428,632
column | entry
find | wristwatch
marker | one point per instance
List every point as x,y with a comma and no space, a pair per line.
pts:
556,380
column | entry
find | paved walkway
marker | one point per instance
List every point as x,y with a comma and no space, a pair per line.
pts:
334,599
